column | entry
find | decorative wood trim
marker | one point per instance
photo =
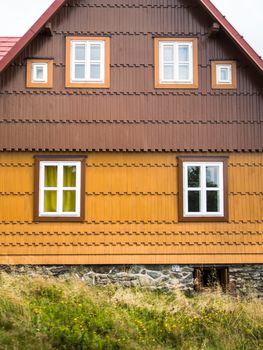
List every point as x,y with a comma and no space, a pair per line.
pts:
214,84
102,259
181,217
157,83
106,83
38,159
39,85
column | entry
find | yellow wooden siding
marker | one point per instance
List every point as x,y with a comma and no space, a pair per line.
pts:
131,214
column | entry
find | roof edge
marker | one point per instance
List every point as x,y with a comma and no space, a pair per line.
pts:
233,33
54,7
30,34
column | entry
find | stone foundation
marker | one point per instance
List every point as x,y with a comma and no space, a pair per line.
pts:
246,279
243,279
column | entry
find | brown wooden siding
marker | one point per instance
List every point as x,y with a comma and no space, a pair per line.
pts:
132,114
131,214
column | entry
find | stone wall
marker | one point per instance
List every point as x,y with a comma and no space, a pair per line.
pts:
243,279
246,279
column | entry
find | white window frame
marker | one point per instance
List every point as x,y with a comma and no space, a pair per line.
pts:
218,73
34,72
87,62
59,188
203,189
175,62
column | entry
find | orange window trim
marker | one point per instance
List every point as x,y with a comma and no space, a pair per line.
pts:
234,75
106,83
158,85
29,80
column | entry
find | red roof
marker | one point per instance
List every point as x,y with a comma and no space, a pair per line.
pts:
233,33
214,12
6,43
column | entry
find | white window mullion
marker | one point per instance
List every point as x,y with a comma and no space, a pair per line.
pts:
221,189
60,189
203,190
185,189
102,61
161,61
41,187
175,62
87,65
78,187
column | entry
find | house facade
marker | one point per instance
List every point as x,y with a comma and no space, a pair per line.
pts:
131,135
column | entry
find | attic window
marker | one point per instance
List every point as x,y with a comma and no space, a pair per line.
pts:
87,62
224,75
39,73
176,63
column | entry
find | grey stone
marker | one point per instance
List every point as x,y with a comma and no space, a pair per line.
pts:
153,274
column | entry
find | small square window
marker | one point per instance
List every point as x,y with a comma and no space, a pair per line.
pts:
59,189
202,189
223,75
39,73
87,62
176,63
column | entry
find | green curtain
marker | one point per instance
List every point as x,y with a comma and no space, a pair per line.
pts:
50,176
69,196
50,201
50,197
69,201
69,176
69,180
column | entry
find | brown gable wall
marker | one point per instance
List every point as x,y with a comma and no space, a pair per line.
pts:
132,114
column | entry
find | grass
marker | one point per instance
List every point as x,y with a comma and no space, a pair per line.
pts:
47,313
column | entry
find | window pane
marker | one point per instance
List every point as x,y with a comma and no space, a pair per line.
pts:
183,73
50,201
212,200
95,71
183,53
69,176
212,176
79,71
95,52
40,73
80,52
69,201
194,201
50,176
193,175
168,72
224,74
168,53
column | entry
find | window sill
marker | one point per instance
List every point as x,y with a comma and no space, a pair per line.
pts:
203,219
58,219
176,86
85,85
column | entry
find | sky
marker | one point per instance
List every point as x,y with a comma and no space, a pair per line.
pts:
17,16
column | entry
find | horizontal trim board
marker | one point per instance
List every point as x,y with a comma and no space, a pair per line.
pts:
132,193
70,91
128,121
129,5
133,259
133,233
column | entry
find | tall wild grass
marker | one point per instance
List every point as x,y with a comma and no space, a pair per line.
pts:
47,313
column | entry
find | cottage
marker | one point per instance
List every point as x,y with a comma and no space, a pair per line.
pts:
131,137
